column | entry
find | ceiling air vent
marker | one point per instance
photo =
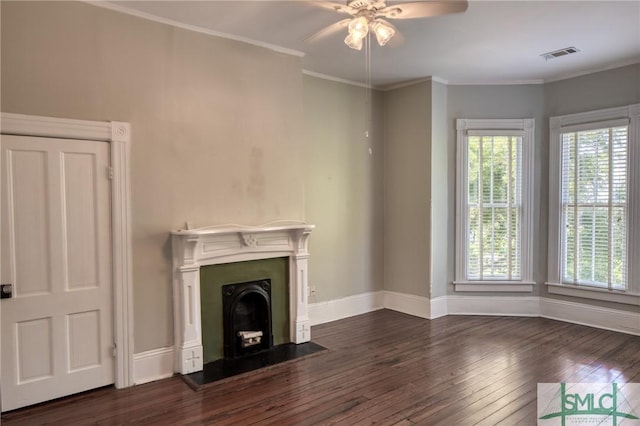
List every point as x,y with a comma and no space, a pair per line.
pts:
558,53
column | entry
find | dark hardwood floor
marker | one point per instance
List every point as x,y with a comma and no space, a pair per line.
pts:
381,368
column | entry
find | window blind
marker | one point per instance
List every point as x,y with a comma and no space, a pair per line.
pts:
494,207
594,182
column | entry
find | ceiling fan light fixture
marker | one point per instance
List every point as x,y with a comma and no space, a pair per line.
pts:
353,43
359,28
383,31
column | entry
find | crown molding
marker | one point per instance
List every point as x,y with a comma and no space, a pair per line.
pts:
594,71
171,22
336,79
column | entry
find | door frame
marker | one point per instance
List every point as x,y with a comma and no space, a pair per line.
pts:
118,135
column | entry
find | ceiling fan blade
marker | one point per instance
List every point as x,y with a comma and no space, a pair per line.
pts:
334,7
422,9
329,30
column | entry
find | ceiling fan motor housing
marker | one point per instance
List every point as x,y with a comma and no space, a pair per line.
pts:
366,4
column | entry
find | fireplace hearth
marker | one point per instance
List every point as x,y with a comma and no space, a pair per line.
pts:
230,368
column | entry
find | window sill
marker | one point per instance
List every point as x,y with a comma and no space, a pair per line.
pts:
594,293
494,286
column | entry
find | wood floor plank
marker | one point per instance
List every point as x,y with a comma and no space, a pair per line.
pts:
382,368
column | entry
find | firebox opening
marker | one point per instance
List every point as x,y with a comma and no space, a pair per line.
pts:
247,318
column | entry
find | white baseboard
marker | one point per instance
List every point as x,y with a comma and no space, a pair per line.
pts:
421,306
592,316
439,307
333,310
493,305
152,365
418,306
521,306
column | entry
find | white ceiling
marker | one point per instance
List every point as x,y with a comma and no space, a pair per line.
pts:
492,42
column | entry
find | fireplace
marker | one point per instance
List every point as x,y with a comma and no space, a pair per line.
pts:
196,248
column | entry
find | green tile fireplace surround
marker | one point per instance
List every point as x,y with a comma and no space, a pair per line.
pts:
213,277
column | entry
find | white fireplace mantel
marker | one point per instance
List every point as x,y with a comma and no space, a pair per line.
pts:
225,244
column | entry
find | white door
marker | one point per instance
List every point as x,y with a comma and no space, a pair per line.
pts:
57,332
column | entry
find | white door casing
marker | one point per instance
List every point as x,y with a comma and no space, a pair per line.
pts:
73,261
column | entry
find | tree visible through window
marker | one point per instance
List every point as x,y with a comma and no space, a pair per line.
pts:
494,206
594,207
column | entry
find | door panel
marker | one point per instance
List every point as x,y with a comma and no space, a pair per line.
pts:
57,333
80,221
34,336
29,236
83,335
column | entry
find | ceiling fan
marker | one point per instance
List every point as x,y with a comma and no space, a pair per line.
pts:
372,15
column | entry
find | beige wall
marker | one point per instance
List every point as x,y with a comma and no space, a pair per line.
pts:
217,125
606,89
407,189
343,189
440,216
416,190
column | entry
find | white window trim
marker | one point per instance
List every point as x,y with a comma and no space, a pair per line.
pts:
497,127
588,120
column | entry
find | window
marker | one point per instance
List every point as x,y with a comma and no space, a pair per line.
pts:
594,206
593,203
494,190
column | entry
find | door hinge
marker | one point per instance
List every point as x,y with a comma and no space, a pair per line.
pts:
110,172
114,350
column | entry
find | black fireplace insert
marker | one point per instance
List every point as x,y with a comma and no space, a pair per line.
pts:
246,318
